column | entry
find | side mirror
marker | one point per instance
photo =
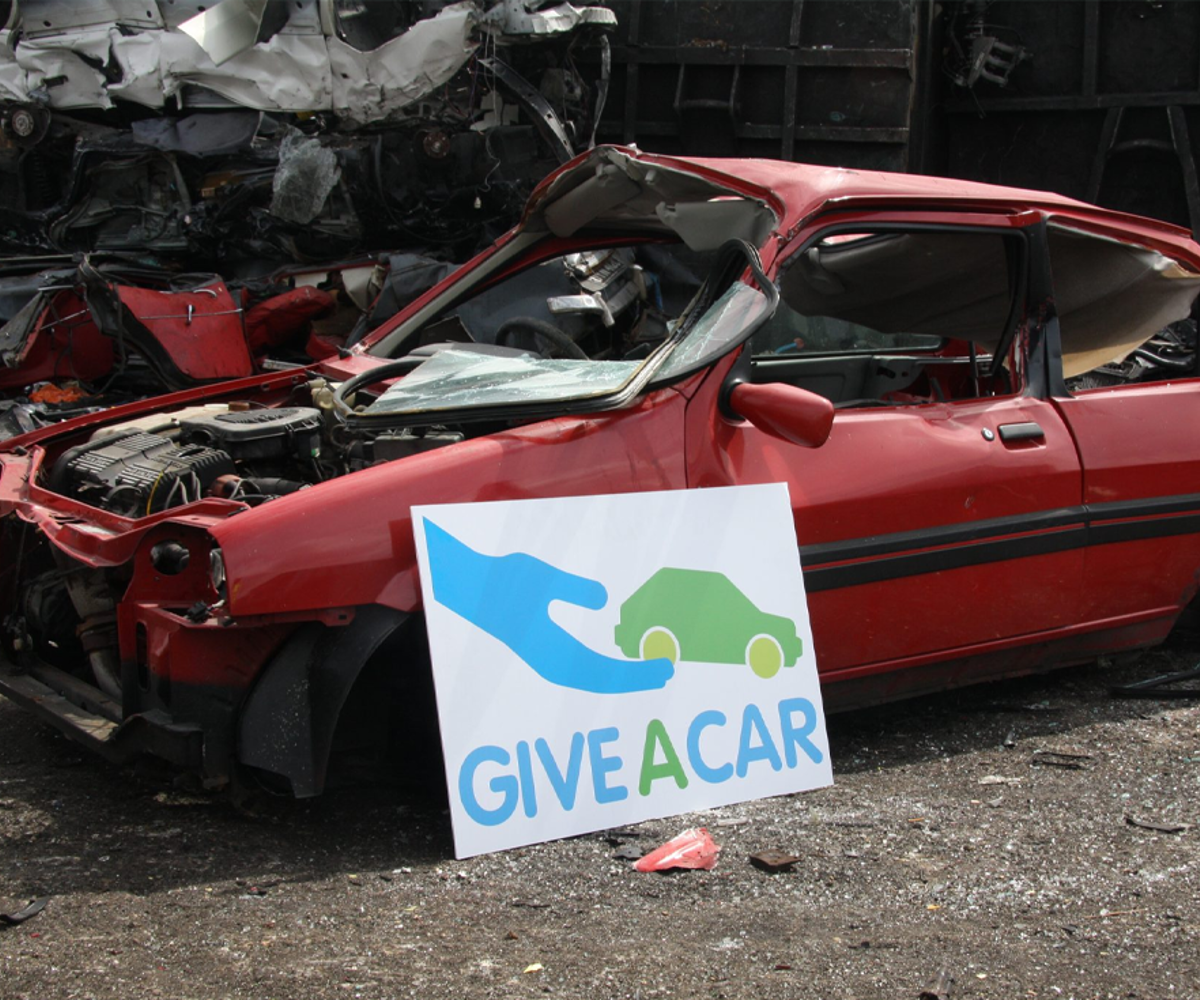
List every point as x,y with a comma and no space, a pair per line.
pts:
783,411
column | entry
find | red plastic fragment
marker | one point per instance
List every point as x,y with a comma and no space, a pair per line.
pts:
691,849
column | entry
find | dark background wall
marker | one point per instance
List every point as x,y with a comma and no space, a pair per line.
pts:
1103,103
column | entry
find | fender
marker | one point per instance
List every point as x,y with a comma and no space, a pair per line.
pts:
288,720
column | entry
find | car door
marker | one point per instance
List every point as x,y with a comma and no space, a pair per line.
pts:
1135,428
941,518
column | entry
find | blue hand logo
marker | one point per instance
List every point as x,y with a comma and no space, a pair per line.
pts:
509,598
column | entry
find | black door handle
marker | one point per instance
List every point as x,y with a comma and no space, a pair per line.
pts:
1021,432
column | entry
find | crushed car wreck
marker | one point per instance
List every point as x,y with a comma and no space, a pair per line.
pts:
255,130
226,576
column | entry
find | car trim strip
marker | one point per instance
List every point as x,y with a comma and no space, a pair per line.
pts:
889,557
1155,527
938,560
923,538
1183,503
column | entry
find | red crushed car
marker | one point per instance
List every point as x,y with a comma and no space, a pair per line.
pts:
226,576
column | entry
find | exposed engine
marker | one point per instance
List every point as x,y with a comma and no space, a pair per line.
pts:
142,467
610,304
238,454
138,473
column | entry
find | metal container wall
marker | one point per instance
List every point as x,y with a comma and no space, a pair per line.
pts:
1107,110
818,81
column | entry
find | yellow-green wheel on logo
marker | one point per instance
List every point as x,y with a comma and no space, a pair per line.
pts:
764,655
661,643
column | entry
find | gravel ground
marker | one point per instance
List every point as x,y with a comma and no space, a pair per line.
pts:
959,838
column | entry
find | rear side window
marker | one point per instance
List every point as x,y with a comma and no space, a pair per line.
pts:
1125,312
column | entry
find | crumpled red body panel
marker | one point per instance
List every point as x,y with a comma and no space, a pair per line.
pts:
200,331
63,344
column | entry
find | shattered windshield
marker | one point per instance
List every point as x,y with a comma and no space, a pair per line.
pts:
452,379
458,378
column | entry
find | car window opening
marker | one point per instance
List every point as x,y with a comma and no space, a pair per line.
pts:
1125,312
895,318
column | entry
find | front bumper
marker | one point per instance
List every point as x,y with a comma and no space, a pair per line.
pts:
92,719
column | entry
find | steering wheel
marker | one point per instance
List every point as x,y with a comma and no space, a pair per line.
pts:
560,344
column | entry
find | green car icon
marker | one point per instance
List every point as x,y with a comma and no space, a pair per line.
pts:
700,616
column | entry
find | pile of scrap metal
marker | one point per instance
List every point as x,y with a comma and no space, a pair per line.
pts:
143,143
300,130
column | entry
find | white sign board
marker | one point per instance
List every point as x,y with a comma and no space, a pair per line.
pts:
607,659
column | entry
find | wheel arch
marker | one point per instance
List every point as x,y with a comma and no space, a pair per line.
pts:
287,723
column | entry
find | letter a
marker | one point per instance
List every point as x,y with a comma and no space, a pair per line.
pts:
672,767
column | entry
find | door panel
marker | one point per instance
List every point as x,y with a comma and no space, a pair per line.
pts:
919,534
943,516
1115,289
1141,484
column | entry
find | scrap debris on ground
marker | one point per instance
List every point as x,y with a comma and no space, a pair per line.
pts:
940,864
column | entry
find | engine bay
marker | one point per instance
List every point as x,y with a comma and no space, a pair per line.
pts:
228,451
232,451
